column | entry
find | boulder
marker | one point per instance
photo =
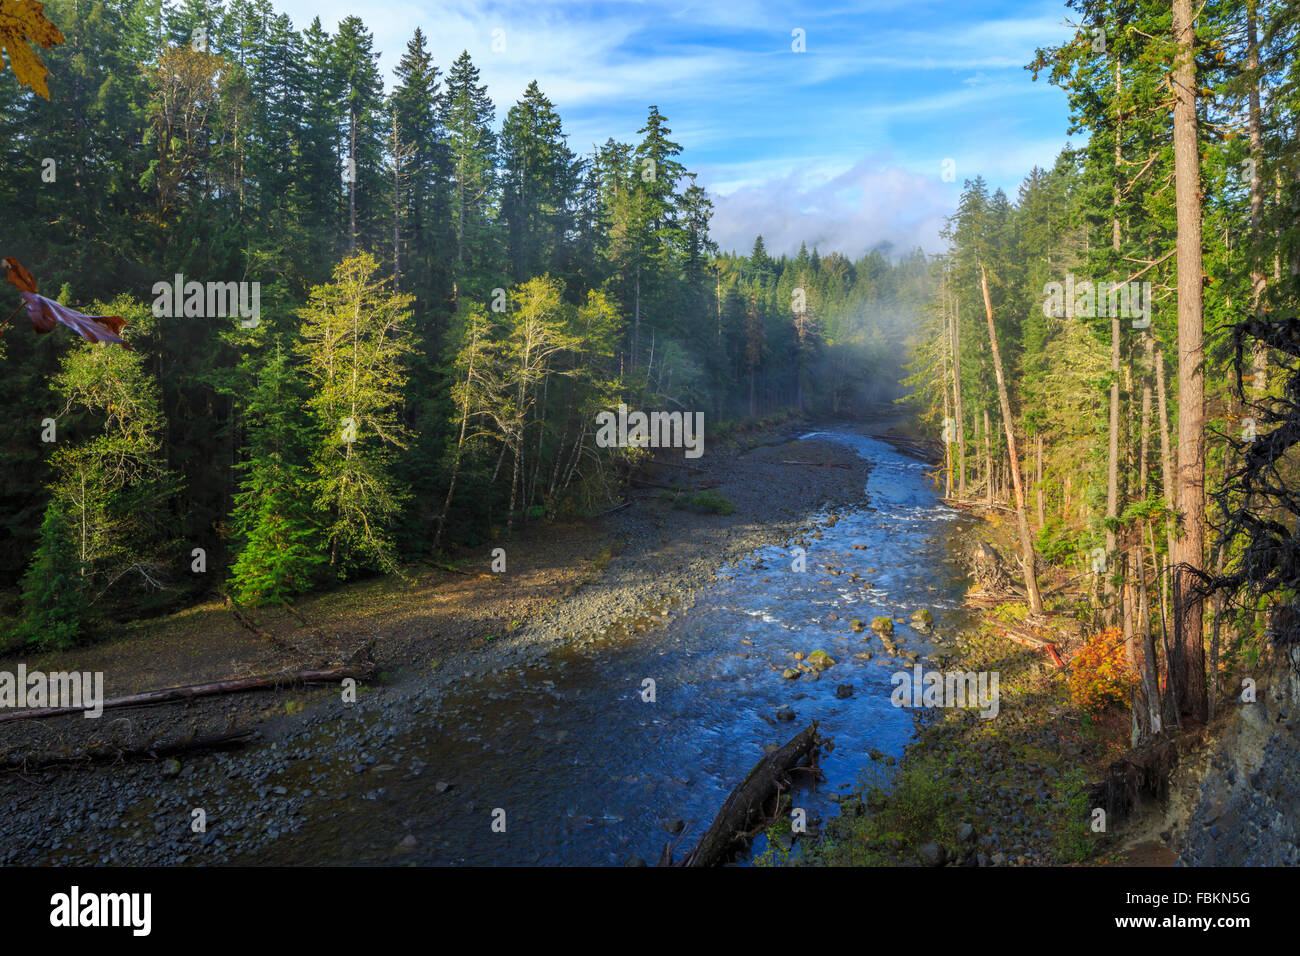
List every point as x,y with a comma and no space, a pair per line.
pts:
931,854
820,660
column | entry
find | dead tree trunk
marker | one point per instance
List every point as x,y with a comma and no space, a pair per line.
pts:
186,744
189,692
744,807
1026,543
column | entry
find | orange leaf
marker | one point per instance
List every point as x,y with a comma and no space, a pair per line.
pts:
23,22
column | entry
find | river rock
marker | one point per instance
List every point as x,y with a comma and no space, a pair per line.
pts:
820,660
965,833
858,626
883,625
844,691
785,713
922,620
791,674
931,854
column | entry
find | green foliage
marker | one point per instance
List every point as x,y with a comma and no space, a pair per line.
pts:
354,340
111,477
54,595
281,542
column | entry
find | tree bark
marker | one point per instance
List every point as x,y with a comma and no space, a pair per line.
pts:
745,804
1190,545
957,410
185,744
169,694
1038,484
988,462
1026,543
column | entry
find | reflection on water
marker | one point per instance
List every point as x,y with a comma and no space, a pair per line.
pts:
587,772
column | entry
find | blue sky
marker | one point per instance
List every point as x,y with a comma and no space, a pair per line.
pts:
842,145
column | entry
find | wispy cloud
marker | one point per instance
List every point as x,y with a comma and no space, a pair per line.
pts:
886,90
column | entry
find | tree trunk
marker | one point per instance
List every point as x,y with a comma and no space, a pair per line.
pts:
745,804
947,447
352,183
1038,484
957,410
168,694
1112,473
1026,543
988,462
1190,545
1257,281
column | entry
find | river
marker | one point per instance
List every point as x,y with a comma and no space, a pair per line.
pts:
564,761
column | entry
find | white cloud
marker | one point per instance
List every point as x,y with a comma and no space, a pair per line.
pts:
852,211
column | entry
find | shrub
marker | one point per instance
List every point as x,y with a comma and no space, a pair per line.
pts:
1099,673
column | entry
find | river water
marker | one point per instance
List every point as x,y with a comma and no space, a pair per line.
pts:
580,769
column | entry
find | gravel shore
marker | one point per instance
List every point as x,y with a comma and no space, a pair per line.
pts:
567,585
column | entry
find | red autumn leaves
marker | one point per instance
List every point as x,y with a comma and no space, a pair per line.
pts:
46,313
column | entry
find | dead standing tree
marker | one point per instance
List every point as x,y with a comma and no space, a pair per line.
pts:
1026,542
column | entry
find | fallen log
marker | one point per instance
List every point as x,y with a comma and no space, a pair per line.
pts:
185,744
167,695
1026,638
817,464
735,820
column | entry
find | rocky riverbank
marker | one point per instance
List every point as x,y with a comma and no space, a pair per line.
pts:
564,583
1012,790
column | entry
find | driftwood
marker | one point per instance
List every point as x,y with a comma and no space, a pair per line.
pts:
817,464
698,486
169,694
1025,637
185,744
626,504
735,820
